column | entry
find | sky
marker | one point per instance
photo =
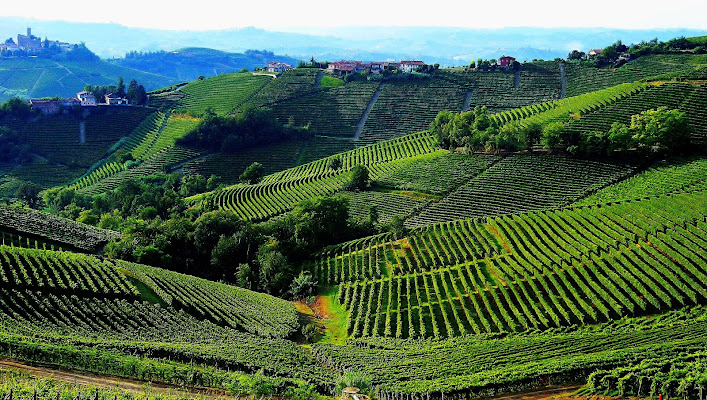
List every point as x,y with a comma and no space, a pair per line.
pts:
307,17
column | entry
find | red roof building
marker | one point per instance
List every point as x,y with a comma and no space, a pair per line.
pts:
506,61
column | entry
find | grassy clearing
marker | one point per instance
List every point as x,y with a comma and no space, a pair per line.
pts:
332,316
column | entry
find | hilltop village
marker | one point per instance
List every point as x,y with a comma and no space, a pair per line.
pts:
30,44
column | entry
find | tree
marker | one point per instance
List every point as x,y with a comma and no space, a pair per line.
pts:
15,108
335,163
120,89
359,178
275,270
553,135
303,286
576,55
252,174
29,193
136,93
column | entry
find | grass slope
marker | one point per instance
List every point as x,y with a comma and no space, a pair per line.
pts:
40,77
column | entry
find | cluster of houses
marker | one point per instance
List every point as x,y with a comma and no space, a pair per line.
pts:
344,67
31,44
82,99
278,67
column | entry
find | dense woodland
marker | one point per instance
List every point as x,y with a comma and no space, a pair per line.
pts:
451,233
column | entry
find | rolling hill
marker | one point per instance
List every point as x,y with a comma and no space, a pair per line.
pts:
459,272
42,77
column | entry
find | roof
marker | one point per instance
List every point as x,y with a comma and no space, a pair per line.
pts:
598,51
507,58
84,92
411,62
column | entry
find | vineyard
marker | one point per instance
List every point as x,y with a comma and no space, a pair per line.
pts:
60,138
222,94
152,145
33,225
683,174
463,275
486,366
526,272
520,183
279,192
94,305
583,80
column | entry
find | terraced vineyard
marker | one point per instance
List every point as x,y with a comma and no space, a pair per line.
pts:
224,305
62,297
228,167
486,366
154,165
437,173
677,175
290,85
528,271
386,204
403,108
520,183
279,192
223,93
583,79
46,228
334,112
60,138
671,95
152,143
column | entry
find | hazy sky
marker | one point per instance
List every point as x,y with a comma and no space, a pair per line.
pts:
283,14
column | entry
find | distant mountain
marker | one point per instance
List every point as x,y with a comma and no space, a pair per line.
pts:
447,46
189,63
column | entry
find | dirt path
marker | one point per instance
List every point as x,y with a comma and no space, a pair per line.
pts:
318,79
106,382
467,101
563,81
548,393
82,132
516,80
31,91
364,117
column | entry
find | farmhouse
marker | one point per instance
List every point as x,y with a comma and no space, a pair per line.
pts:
115,100
409,65
506,61
594,52
47,107
344,67
278,67
86,98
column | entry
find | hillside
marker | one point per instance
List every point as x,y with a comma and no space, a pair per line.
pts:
189,63
448,235
28,77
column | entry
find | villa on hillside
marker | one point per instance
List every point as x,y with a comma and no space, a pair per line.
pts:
409,66
278,67
594,52
115,100
86,98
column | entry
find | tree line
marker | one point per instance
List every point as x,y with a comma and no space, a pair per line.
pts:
653,131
